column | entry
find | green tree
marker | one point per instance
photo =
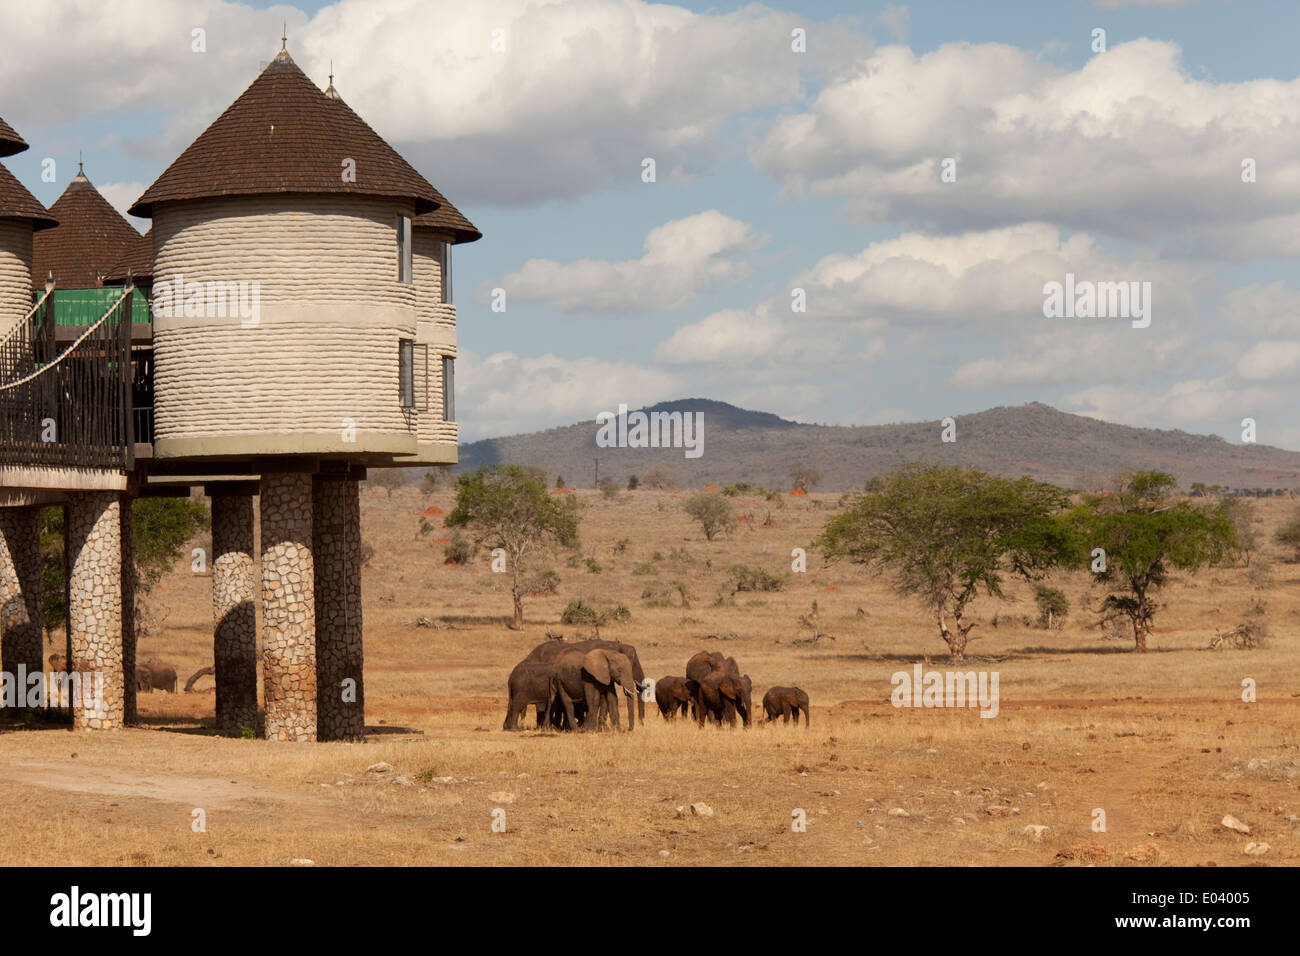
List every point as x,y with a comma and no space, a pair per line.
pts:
942,535
1145,534
508,507
805,477
712,510
1240,512
161,527
1289,535
388,479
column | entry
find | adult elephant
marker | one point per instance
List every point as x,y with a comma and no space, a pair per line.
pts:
161,676
784,701
722,691
674,695
143,678
594,676
529,683
548,650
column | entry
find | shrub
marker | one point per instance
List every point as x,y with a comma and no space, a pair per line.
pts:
632,482
609,489
593,566
659,478
712,510
1053,606
620,546
746,578
367,553
1289,536
645,567
579,612
544,582
460,551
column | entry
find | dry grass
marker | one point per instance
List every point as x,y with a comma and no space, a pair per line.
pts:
1161,742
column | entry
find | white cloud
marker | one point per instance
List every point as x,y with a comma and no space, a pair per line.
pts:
1269,360
682,258
897,19
504,393
977,276
585,90
1128,144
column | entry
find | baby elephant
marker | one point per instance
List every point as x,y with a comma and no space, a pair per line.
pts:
785,701
673,694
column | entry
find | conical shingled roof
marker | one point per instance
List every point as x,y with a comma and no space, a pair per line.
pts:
137,262
17,203
90,238
10,141
283,135
446,217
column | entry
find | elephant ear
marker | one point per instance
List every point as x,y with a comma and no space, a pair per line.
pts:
596,664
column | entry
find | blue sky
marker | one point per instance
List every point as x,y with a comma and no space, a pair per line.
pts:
778,170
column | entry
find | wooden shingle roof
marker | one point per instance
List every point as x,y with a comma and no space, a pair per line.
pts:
10,141
17,203
284,135
137,262
91,236
446,218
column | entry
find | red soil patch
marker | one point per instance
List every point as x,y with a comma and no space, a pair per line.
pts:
560,491
710,487
442,540
433,510
798,493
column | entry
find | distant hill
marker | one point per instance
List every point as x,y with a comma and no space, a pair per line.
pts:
1035,439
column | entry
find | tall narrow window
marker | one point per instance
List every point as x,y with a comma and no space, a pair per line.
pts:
406,372
404,249
444,266
448,388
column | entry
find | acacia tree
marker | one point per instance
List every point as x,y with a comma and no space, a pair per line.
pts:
944,534
1144,534
508,507
713,511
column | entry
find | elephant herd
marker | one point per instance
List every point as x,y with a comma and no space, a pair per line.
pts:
576,686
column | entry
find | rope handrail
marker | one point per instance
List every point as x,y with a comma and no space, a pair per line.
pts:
69,350
40,302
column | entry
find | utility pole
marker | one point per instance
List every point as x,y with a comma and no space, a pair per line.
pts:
596,483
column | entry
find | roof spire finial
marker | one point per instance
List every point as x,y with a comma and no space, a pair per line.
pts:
284,36
329,90
331,71
79,164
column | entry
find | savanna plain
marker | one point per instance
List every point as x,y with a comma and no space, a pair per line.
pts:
1161,742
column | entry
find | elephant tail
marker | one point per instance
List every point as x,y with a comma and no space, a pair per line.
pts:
201,672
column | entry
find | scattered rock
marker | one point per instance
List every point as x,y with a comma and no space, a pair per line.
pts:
302,862
404,781
957,821
380,767
1143,853
1232,823
899,812
1087,852
663,853
701,810
1035,830
1256,849
501,796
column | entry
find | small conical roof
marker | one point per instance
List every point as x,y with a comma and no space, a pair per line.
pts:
446,217
10,141
283,135
17,203
90,238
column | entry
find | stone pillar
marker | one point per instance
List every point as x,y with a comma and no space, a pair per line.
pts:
234,634
288,607
94,546
127,532
336,549
23,641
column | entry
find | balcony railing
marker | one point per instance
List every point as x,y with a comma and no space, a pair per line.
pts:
69,408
